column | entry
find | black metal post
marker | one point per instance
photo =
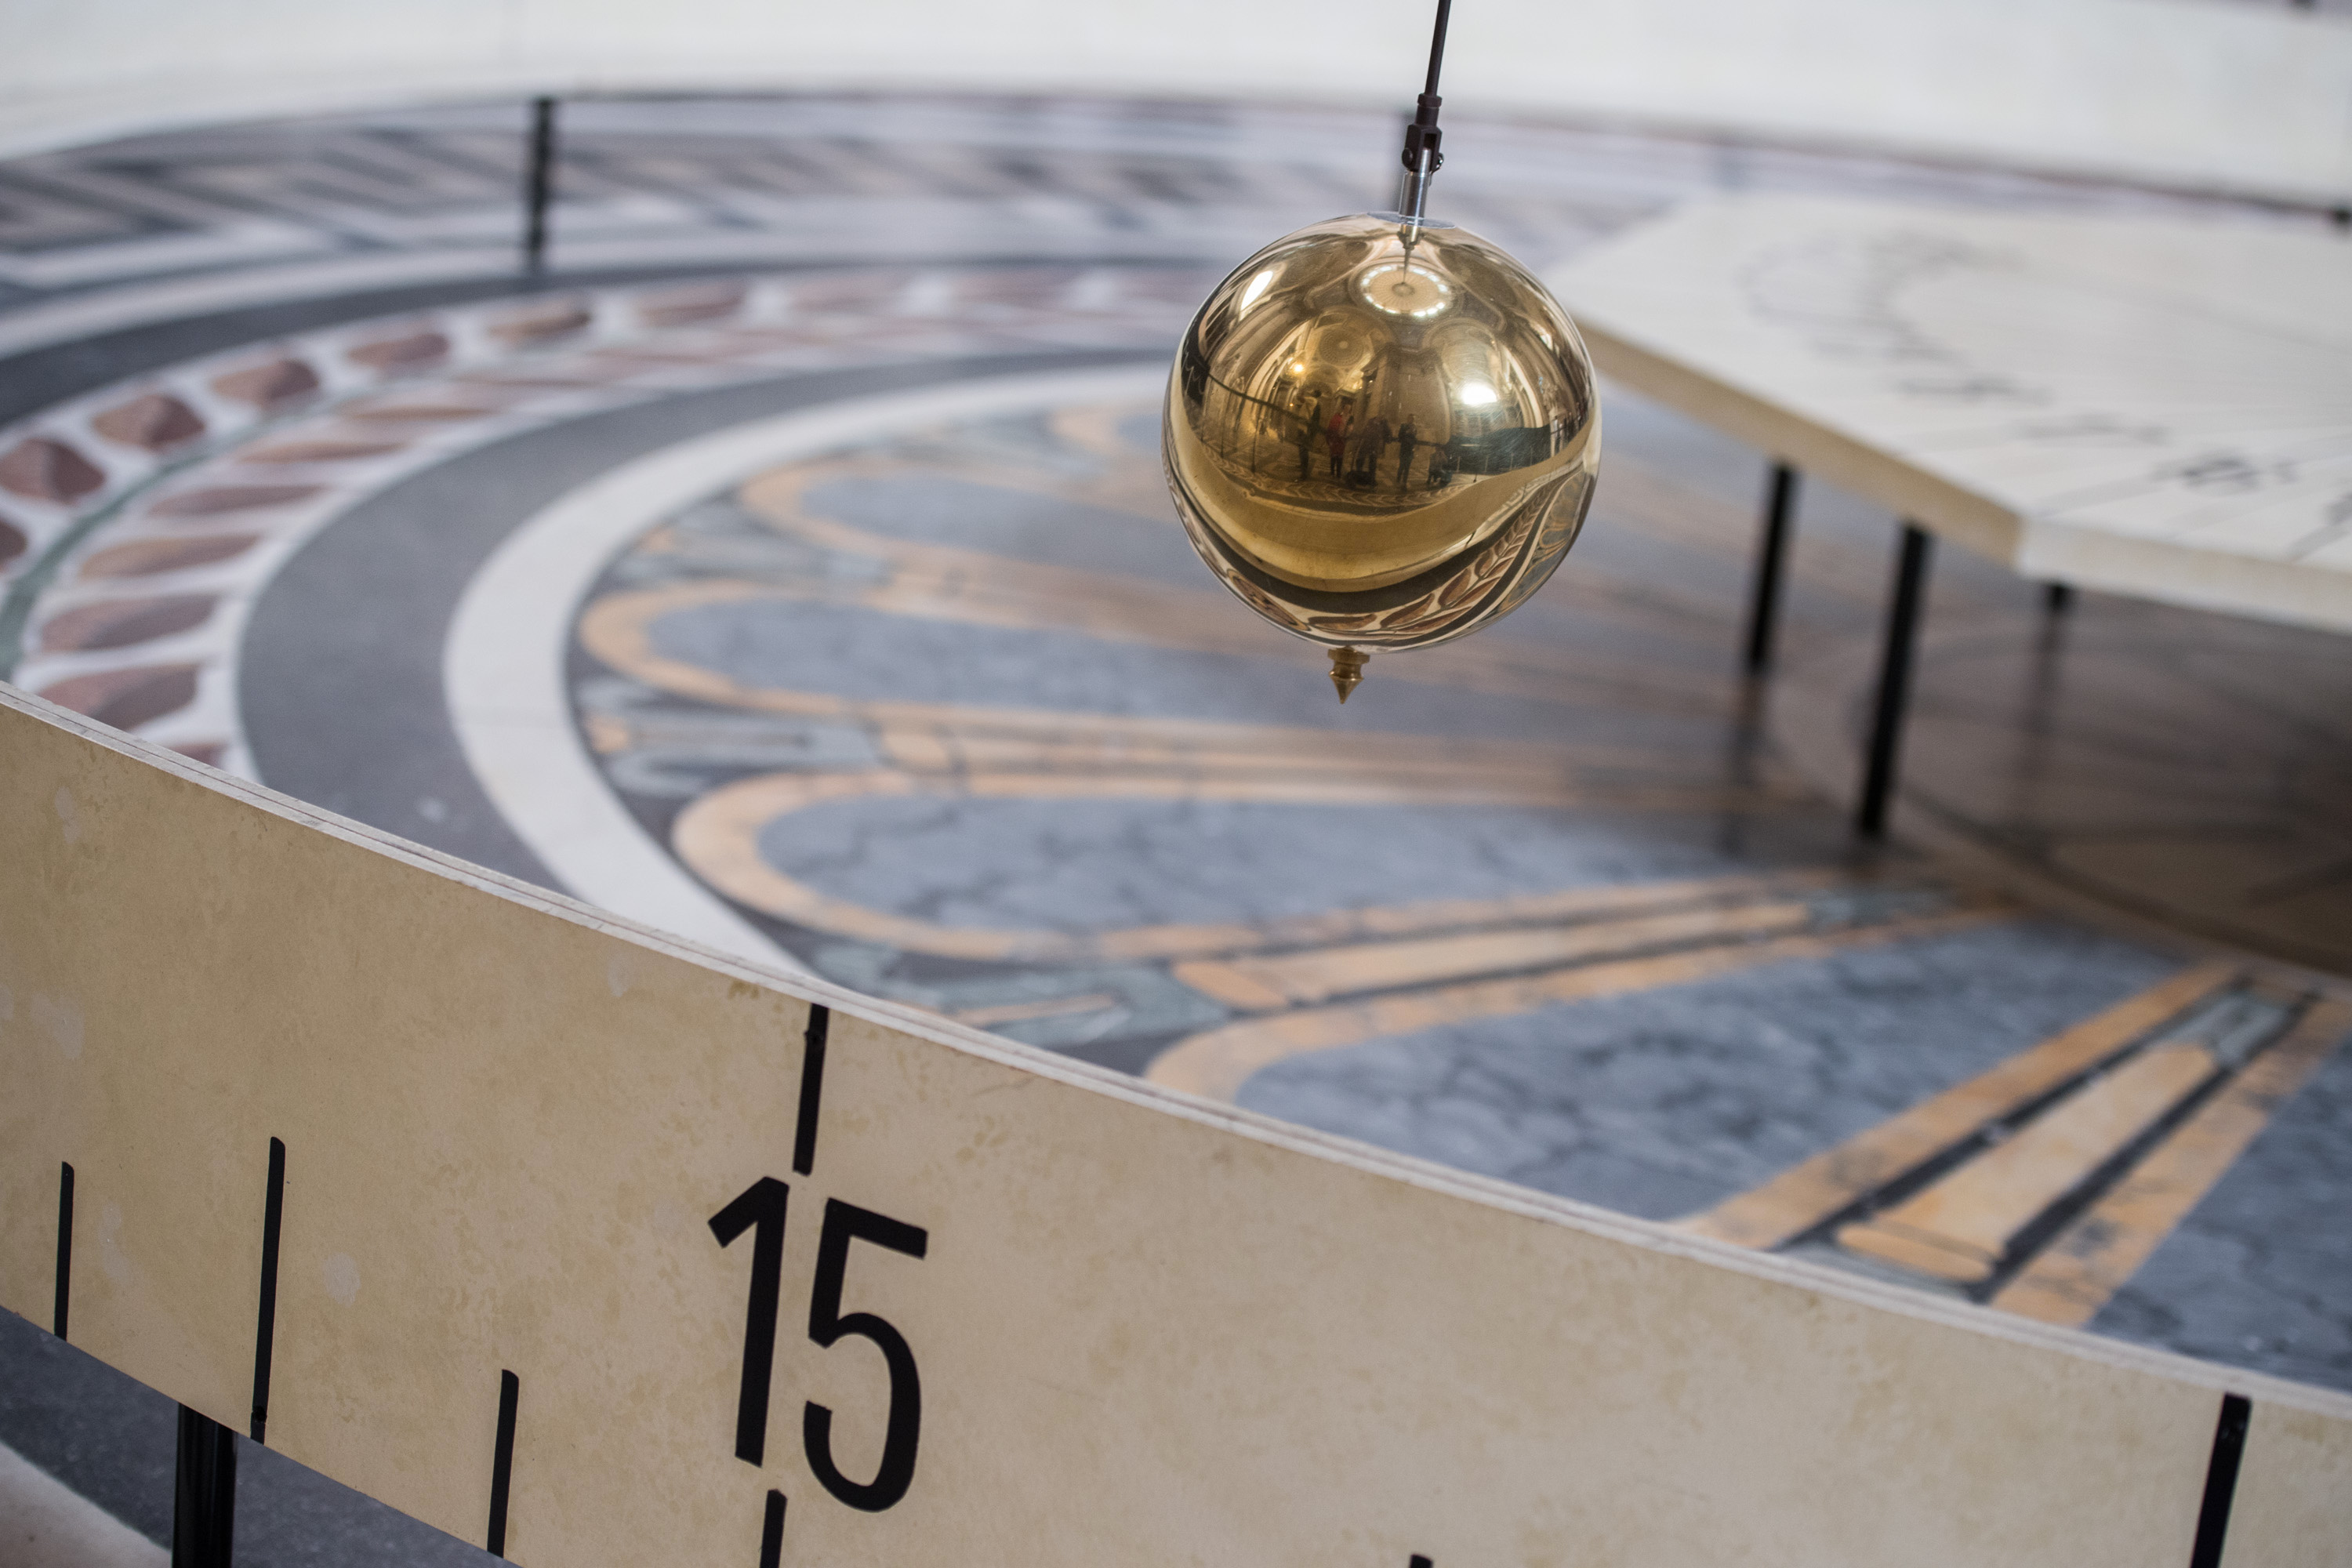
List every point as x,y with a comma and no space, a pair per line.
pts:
2057,598
264,1333
1901,639
64,1250
2221,1482
1764,602
538,186
204,1505
502,1461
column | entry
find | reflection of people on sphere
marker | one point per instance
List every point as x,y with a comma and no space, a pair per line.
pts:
1307,438
1441,467
1375,441
1335,439
1406,438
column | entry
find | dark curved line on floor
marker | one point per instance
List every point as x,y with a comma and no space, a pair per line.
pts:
340,672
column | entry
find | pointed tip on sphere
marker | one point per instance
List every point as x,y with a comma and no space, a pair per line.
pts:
1348,670
1382,434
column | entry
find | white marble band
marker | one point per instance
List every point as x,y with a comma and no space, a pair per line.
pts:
503,664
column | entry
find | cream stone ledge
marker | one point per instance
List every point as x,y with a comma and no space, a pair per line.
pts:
2177,91
2147,407
1149,1329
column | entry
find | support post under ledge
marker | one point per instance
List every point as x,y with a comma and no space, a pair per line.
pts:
204,1502
1771,551
1882,756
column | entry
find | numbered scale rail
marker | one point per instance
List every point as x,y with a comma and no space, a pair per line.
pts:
494,1207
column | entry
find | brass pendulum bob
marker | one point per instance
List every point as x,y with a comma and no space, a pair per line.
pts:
1380,432
1348,669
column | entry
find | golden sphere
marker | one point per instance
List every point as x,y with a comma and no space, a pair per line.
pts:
1381,433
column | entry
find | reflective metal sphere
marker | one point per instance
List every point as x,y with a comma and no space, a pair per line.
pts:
1381,435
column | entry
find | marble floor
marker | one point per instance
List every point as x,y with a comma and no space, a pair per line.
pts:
952,717
789,568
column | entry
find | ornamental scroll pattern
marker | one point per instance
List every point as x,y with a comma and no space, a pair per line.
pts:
1443,612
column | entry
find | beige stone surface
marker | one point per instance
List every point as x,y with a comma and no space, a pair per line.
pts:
2151,408
2290,1506
1149,1329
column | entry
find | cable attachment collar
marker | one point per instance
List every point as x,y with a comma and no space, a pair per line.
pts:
1422,158
1421,135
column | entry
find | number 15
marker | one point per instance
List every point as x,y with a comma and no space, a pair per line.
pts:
761,1209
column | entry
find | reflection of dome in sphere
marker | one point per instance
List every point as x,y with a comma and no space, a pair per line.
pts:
1382,434
1336,347
1402,290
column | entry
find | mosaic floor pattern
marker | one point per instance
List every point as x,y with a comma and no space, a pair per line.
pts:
955,717
850,636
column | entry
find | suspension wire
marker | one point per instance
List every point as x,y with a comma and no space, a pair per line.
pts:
1437,46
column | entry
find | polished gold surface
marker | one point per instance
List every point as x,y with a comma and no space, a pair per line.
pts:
1380,435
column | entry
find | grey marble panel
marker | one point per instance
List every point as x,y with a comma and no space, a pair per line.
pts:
1663,1103
1017,524
865,655
2256,1275
1095,865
